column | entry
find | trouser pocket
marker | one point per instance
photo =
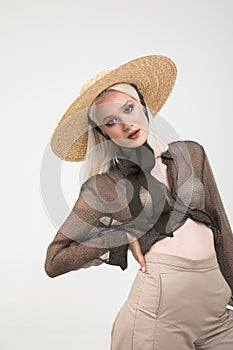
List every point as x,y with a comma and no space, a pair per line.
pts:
150,295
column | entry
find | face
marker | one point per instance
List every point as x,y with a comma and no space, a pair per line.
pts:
122,118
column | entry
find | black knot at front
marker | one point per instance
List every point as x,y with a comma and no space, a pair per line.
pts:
137,170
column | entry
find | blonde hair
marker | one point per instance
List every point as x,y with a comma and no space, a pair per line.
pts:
101,154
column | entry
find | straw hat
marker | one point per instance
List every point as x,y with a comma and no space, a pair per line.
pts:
154,77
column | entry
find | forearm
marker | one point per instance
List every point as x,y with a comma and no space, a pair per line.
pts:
65,255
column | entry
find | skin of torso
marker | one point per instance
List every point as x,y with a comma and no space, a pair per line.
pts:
193,240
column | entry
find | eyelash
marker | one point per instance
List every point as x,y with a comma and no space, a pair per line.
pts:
110,123
129,106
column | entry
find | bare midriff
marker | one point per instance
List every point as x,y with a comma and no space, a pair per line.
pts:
193,240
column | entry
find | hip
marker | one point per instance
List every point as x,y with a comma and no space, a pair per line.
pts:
173,283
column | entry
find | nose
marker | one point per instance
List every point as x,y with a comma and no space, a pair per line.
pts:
126,126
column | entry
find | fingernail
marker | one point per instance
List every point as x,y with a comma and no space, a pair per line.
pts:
143,269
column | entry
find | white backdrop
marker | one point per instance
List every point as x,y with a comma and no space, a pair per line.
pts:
48,50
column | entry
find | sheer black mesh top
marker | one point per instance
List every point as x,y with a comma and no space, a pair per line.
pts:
95,230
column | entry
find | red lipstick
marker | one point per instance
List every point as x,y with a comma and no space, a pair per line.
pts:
134,134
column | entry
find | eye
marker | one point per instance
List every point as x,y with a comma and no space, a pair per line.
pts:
129,108
111,122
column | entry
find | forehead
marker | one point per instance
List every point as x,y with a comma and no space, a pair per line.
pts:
109,103
113,96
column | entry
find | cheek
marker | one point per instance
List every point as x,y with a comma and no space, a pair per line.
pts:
141,118
144,123
112,132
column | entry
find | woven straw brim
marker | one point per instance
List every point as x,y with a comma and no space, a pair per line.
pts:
153,75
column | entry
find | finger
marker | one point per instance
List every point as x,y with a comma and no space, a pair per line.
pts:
142,262
137,253
134,246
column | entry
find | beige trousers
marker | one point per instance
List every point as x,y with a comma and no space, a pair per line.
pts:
178,304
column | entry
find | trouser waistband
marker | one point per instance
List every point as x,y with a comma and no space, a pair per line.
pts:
179,261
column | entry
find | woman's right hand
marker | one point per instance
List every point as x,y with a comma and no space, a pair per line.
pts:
135,248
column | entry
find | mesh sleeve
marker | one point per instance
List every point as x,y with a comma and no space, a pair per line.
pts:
84,240
214,205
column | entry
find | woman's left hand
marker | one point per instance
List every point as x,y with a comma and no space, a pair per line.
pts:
135,248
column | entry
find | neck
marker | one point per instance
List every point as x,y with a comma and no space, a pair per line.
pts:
124,152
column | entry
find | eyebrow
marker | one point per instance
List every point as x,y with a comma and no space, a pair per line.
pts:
110,116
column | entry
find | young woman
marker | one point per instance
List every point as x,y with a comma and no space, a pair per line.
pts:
159,200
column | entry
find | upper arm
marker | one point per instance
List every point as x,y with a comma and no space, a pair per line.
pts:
83,236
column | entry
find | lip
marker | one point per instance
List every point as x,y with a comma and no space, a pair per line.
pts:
134,134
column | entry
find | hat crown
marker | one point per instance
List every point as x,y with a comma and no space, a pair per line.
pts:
93,80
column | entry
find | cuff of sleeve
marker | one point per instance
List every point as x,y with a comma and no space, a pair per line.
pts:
118,256
117,242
